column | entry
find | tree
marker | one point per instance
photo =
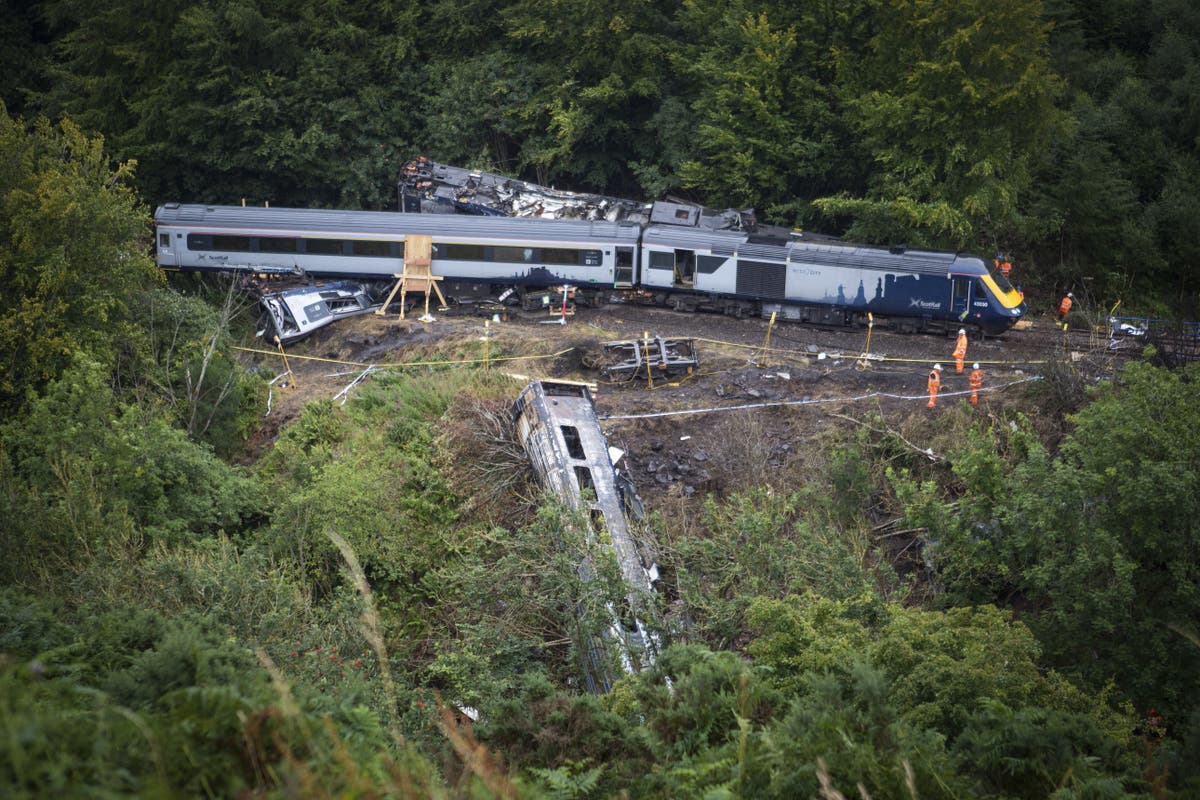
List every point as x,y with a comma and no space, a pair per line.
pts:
954,101
596,79
73,255
762,100
296,103
24,55
190,365
1100,544
90,477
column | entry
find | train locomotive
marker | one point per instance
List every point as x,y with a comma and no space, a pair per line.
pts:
669,261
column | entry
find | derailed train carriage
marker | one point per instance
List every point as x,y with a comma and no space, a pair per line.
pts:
681,264
556,423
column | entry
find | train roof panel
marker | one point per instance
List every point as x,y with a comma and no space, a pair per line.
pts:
692,238
390,223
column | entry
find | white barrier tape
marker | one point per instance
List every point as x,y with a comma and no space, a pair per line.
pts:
809,402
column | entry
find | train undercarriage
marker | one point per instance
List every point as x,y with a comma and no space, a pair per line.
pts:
295,311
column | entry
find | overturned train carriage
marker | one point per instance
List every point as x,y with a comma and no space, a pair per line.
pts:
495,259
556,423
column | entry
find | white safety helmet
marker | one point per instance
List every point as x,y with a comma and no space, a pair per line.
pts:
961,331
1070,295
975,365
938,367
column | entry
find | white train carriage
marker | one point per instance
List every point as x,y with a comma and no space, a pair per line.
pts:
366,244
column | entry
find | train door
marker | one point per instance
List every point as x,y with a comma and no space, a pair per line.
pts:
167,257
960,298
685,268
623,277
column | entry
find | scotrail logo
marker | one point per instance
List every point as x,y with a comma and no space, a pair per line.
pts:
931,305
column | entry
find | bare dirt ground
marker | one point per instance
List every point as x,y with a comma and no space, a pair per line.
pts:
808,381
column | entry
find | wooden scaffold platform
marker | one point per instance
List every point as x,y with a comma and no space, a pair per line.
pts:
417,275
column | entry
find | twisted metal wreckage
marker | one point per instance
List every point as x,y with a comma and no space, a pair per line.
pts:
557,425
429,187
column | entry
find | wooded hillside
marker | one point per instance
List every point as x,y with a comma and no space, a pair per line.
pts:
1062,132
193,602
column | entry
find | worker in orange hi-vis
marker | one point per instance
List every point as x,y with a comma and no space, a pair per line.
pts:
960,350
1003,265
976,383
935,383
1064,308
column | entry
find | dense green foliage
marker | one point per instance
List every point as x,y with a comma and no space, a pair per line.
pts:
72,252
1062,131
1102,540
310,624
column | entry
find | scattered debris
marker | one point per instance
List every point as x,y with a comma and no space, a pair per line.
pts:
1175,342
345,392
664,356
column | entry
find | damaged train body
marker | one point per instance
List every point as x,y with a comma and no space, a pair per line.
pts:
489,260
291,314
557,425
431,188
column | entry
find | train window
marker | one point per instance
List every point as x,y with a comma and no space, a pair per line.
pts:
628,620
584,476
463,252
164,239
662,260
238,243
570,435
367,248
520,255
999,278
272,244
559,255
323,247
199,241
960,289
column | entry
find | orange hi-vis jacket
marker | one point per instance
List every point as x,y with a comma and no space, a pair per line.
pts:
1064,307
935,383
960,351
